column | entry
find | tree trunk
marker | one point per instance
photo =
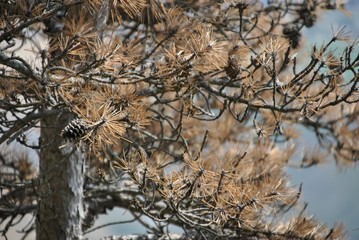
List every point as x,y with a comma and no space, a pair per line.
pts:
60,200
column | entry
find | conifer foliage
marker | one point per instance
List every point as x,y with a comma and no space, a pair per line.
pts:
184,112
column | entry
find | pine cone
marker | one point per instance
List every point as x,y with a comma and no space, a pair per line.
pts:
292,33
75,130
232,69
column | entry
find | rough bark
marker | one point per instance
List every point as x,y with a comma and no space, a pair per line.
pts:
60,208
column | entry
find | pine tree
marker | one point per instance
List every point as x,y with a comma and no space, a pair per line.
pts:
186,112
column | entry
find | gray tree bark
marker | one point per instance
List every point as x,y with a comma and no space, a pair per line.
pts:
60,199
